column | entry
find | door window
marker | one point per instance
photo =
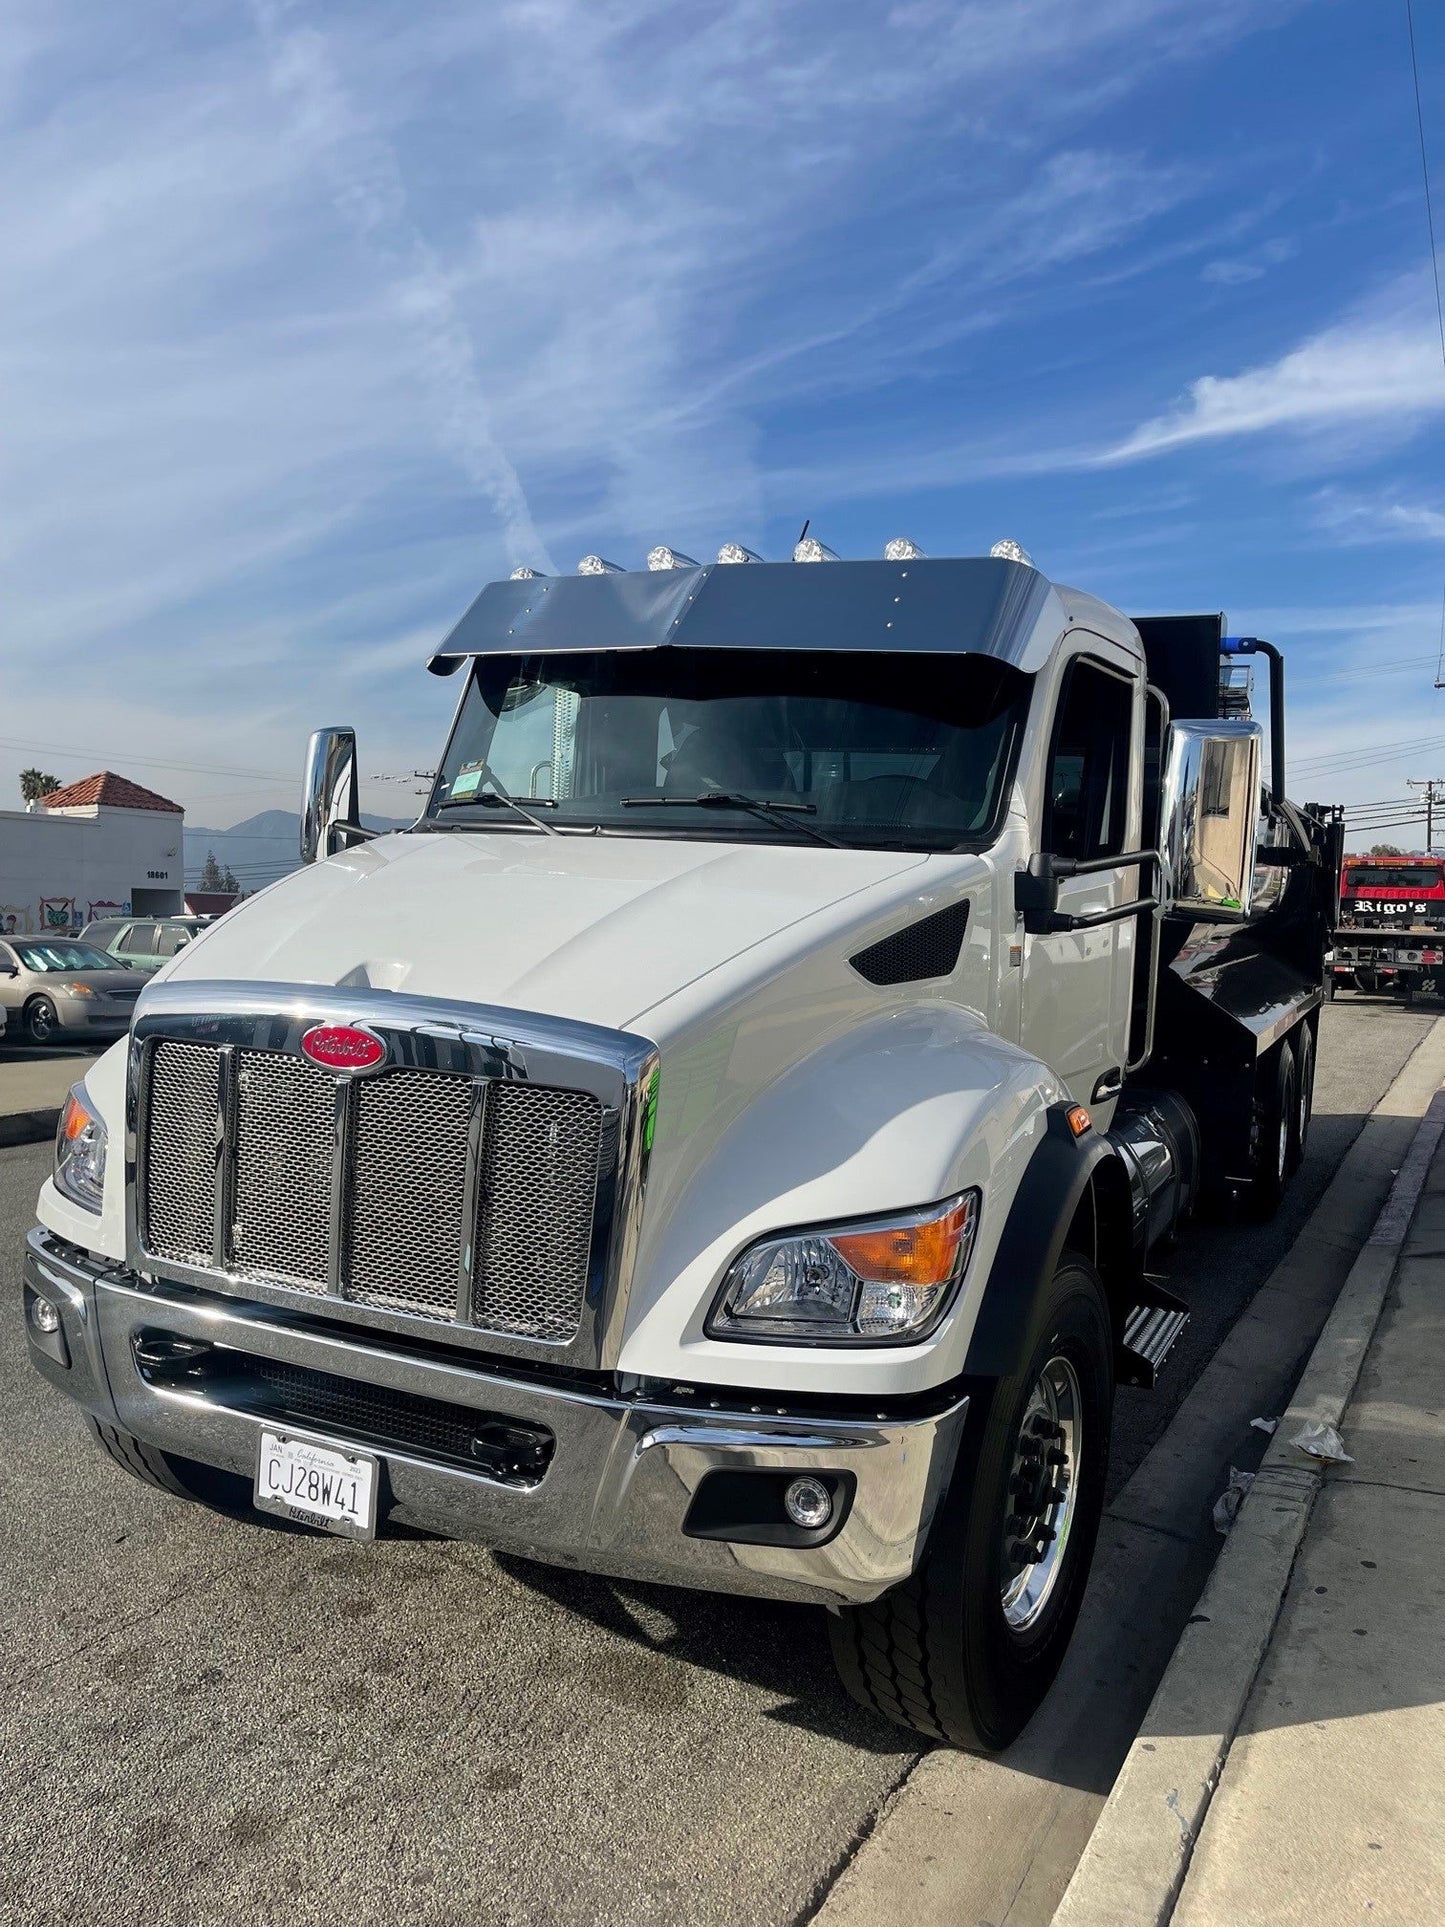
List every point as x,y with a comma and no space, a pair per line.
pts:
1088,791
170,938
138,941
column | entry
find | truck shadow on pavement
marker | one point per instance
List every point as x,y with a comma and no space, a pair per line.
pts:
772,1645
779,1647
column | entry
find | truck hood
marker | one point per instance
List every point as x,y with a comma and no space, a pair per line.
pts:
596,928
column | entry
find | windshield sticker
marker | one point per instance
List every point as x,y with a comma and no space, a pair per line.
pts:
469,779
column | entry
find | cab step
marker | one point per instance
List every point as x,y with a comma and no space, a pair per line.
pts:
1150,1331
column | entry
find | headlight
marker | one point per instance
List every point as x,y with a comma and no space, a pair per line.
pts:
80,1152
80,990
887,1281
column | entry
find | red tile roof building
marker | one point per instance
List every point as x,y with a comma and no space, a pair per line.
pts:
110,792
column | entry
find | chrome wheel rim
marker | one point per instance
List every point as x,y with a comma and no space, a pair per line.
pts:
40,1024
1043,1493
1283,1142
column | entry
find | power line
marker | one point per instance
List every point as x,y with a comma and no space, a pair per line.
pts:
1350,763
1382,807
1393,742
150,762
1425,173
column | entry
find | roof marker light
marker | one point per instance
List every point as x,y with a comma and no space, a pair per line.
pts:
1011,551
735,552
810,549
524,574
663,557
597,565
902,549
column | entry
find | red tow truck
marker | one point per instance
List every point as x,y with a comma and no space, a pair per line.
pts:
1391,930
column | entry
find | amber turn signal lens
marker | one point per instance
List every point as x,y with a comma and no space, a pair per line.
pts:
1079,1120
73,1120
920,1254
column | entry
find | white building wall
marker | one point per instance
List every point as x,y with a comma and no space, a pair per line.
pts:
59,868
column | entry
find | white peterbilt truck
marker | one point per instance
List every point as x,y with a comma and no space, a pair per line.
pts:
725,1140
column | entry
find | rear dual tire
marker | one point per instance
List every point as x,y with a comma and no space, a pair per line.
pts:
966,1649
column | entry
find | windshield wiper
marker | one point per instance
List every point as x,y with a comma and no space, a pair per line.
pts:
499,794
781,810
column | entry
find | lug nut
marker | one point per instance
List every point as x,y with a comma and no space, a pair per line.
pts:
808,1503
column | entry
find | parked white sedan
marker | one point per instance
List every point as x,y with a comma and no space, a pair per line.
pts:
59,989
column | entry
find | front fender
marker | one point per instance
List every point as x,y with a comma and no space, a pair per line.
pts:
1059,1175
100,1232
904,1109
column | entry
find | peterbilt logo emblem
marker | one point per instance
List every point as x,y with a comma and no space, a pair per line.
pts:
343,1047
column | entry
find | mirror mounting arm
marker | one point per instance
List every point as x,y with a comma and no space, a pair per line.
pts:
1036,891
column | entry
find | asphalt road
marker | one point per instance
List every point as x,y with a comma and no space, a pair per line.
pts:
217,1720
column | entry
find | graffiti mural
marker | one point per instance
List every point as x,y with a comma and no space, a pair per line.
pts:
57,913
14,919
104,907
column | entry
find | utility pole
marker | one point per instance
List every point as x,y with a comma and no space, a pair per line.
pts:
1429,784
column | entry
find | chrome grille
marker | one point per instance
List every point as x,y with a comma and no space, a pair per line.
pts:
408,1199
539,1178
436,1193
285,1135
180,1193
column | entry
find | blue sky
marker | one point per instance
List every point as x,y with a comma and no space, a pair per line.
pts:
317,316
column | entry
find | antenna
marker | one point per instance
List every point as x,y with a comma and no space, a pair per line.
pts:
1440,658
804,530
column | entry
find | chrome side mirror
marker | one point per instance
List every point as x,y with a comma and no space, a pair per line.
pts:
1209,818
329,797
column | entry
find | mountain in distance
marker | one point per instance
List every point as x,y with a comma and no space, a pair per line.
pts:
261,848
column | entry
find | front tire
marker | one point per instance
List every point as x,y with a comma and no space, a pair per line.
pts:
966,1649
133,1455
41,1021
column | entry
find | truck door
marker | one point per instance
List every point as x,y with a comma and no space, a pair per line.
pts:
1077,984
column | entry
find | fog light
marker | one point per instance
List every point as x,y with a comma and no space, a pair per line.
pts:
808,1503
44,1316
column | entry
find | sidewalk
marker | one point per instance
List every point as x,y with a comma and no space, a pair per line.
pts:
33,1086
1329,1804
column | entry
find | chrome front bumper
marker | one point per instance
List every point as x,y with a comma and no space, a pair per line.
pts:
622,1478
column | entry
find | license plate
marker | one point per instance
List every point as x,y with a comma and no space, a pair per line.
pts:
317,1483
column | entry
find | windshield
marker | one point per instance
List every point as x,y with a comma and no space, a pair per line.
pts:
1393,876
867,750
56,955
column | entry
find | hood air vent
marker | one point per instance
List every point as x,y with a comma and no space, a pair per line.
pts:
928,948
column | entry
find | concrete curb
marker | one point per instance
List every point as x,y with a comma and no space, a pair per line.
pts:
28,1127
1136,1860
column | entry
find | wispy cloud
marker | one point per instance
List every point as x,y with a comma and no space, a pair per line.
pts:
1378,518
1377,367
1233,271
365,180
